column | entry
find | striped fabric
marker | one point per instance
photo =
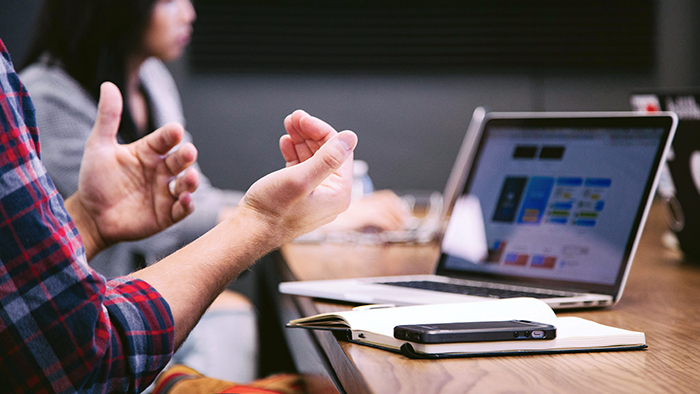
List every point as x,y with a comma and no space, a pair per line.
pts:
180,379
63,327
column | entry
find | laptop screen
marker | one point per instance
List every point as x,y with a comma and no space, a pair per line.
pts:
555,201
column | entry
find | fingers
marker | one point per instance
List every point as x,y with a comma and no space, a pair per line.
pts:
330,158
181,189
109,112
181,159
182,207
188,182
288,152
295,137
307,134
164,139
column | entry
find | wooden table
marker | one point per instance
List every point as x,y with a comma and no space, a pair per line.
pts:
661,299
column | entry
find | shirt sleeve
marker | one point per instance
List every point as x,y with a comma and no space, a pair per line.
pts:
63,327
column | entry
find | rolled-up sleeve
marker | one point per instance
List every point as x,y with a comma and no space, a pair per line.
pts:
63,327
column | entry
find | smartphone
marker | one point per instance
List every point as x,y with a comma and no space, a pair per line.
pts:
475,331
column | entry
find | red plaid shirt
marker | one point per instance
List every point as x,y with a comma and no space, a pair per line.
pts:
63,327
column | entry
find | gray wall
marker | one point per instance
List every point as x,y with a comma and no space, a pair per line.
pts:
410,126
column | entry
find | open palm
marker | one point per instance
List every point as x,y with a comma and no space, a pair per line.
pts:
125,188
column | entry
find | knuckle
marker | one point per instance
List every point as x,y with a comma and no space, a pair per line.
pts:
333,159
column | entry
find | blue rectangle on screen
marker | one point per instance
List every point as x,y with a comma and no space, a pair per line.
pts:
535,201
558,220
565,206
537,260
585,223
569,181
599,205
598,182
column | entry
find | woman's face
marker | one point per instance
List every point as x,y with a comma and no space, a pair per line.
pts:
169,30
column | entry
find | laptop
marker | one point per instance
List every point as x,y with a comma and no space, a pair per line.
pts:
552,206
679,184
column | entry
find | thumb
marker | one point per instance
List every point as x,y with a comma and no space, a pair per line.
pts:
329,159
109,112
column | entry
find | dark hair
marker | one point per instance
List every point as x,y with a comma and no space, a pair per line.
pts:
91,40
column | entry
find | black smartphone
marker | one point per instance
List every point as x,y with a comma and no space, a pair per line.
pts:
508,330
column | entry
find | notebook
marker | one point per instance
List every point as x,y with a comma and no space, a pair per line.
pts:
552,206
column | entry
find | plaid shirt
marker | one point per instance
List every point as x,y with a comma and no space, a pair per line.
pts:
63,327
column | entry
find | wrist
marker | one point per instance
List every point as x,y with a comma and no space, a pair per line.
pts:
264,231
87,228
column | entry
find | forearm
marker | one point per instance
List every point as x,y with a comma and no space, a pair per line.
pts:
194,276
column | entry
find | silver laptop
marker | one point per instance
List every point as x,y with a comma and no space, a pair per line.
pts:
550,205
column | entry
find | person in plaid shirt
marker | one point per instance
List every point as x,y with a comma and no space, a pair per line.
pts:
63,327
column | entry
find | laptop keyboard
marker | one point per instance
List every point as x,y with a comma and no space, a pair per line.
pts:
493,292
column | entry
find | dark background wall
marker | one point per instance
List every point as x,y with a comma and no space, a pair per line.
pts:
411,124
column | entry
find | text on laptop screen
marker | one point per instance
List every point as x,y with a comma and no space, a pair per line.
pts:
556,203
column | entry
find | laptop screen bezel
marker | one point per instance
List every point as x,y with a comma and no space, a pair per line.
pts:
667,121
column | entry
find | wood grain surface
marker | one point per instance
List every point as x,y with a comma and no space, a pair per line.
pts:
661,299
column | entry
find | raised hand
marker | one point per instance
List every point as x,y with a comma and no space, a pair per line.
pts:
128,192
314,188
305,135
381,211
